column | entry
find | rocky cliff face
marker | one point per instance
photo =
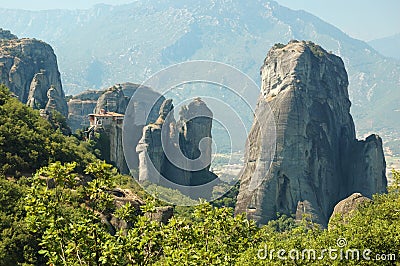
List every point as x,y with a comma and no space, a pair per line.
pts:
177,151
318,160
152,158
29,68
80,106
195,126
113,99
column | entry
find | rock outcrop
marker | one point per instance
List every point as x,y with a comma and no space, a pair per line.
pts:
80,106
116,148
124,196
318,160
113,99
177,151
152,159
348,205
194,128
161,214
29,68
367,167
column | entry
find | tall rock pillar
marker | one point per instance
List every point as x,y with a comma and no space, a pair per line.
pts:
318,160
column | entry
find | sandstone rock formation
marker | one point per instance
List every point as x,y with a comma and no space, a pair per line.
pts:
152,158
178,151
124,196
318,160
162,214
367,166
29,68
111,101
194,127
80,106
114,99
346,206
116,149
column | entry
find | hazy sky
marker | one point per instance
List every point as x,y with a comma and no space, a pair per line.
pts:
362,19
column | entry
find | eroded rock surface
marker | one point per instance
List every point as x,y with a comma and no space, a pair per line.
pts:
80,106
152,159
113,99
177,151
345,207
144,110
318,160
28,67
124,196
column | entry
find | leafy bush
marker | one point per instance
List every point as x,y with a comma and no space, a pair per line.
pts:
316,50
278,46
17,243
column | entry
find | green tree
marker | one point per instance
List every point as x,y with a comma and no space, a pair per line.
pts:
17,244
214,238
67,215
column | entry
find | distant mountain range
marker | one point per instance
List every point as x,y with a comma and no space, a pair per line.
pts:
388,46
113,44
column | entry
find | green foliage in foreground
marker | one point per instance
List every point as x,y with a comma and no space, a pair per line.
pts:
28,141
17,243
62,226
68,220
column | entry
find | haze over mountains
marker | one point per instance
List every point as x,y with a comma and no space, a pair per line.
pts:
110,44
388,46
